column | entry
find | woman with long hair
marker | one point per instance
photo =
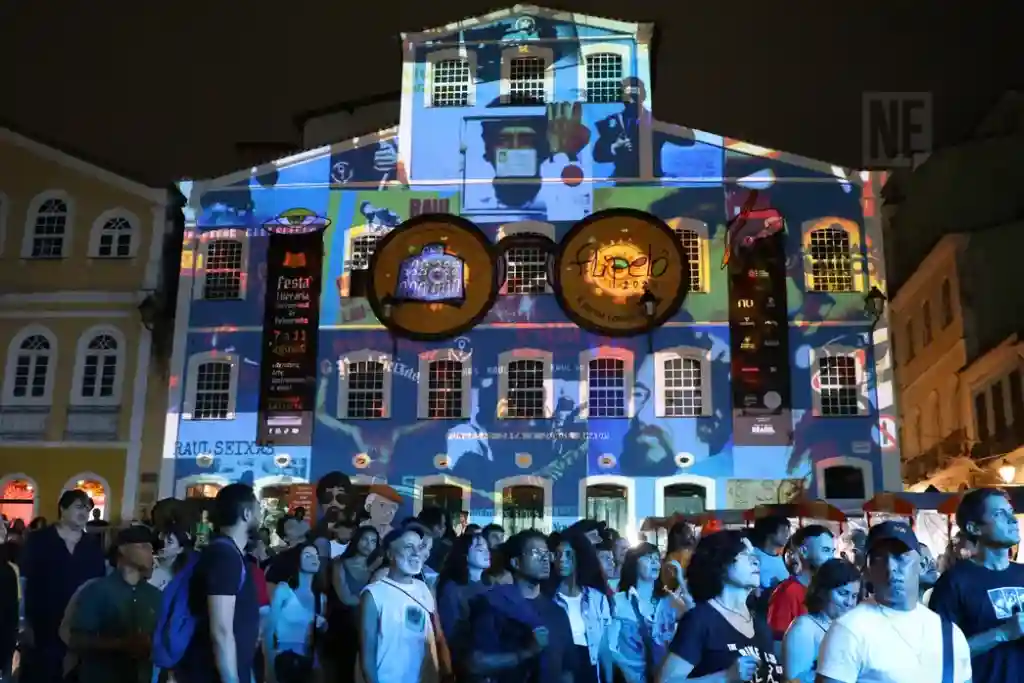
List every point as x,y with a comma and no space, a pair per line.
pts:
350,572
172,551
644,616
461,580
579,587
832,593
720,635
296,616
680,544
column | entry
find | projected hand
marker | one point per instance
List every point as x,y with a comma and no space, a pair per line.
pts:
566,132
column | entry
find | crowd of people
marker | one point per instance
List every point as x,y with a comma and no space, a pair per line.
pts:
335,602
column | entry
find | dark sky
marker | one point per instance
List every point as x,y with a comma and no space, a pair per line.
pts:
160,91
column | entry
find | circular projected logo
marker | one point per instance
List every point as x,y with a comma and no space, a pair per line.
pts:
433,277
620,273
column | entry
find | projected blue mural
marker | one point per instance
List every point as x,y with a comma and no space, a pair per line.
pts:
639,319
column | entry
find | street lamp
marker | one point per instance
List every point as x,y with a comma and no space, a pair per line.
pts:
1007,472
874,305
649,304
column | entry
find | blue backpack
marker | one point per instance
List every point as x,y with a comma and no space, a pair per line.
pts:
177,623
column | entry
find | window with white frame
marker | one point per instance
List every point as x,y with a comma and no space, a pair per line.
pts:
115,238
444,392
49,229
451,78
607,382
224,266
604,77
692,235
364,386
683,380
30,372
526,75
830,257
526,267
839,382
99,362
212,387
525,384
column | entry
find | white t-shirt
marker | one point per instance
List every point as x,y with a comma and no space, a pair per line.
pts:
574,608
405,642
876,644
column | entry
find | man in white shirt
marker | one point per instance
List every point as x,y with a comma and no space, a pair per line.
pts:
893,638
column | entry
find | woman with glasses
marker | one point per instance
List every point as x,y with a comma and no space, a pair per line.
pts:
720,635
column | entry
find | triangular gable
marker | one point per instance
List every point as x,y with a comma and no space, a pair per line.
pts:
612,25
77,165
749,149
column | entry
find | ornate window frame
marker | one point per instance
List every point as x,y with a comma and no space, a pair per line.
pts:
364,356
507,357
423,386
703,356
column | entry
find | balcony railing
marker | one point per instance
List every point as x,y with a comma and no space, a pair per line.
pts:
93,423
23,423
935,458
1006,440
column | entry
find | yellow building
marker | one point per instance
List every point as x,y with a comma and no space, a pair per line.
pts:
80,250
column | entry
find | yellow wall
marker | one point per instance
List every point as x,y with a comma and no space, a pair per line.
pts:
51,468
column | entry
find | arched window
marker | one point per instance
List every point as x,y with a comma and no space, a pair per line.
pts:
608,503
606,382
522,508
49,227
450,78
99,368
603,68
845,483
445,394
113,237
224,265
211,387
685,499
30,369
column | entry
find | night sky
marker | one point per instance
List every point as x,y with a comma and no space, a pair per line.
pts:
161,91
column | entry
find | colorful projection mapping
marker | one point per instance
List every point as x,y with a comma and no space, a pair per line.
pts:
532,300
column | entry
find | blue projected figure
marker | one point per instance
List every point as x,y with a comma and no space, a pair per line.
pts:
432,276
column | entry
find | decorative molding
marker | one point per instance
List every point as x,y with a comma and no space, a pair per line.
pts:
96,232
864,466
32,214
82,350
709,484
52,368
443,480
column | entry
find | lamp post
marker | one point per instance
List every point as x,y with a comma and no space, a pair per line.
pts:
874,306
649,304
149,311
387,309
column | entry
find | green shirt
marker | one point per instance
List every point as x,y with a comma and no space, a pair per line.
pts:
112,608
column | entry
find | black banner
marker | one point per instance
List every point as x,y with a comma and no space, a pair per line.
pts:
291,323
759,333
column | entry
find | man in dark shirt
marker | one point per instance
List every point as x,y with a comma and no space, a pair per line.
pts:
223,596
519,635
55,562
984,595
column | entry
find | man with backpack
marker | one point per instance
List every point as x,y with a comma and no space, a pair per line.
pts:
208,628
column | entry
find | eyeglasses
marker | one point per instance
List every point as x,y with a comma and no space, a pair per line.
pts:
539,554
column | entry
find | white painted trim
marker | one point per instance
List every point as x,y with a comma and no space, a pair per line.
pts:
137,424
507,357
35,315
66,160
176,385
181,485
364,356
423,387
404,131
527,228
73,297
30,223
858,354
627,483
69,445
82,350
627,358
703,356
442,480
192,379
5,212
709,484
543,483
21,476
622,48
441,32
842,461
521,52
700,229
88,475
858,261
454,53
97,231
52,369
275,480
154,264
207,239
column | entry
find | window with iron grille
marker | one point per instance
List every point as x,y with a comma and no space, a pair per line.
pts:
451,82
444,389
225,264
115,239
365,398
831,260
604,77
525,397
838,379
526,83
50,229
692,245
526,270
522,507
99,368
213,391
606,388
32,368
363,248
683,389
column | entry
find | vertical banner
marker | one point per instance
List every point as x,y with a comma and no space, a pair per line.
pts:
291,322
759,330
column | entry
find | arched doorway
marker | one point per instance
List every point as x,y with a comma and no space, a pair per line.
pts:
448,497
202,490
685,499
95,488
522,507
18,499
609,503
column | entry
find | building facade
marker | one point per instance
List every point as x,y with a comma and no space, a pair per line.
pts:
80,249
538,396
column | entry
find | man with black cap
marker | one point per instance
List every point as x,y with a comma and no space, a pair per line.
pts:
114,618
893,638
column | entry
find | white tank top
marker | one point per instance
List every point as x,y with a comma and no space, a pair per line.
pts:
405,638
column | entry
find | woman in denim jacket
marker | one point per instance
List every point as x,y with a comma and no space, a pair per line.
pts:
579,587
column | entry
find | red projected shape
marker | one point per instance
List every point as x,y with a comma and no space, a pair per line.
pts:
572,175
